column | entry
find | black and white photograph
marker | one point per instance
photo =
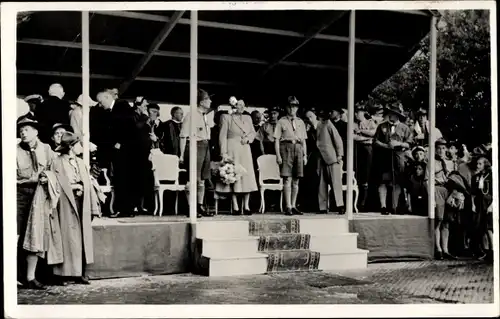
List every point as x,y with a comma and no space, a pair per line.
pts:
250,153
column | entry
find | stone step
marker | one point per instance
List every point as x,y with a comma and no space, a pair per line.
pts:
357,259
335,243
243,264
222,229
229,246
324,226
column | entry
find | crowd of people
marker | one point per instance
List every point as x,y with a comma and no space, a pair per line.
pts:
58,195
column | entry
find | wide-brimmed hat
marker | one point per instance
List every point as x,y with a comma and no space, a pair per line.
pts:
272,109
34,98
441,141
67,140
292,100
67,127
396,108
27,122
421,111
417,149
483,150
79,101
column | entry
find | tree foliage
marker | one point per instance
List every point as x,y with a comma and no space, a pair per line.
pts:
463,99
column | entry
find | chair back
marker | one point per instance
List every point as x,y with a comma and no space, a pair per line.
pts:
165,167
268,168
344,179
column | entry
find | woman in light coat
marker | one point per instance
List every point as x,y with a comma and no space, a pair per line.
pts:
236,135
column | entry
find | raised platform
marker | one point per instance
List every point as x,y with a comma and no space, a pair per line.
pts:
147,245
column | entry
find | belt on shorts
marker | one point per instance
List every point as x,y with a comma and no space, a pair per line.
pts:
291,142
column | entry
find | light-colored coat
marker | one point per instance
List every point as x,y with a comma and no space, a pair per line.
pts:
329,142
76,229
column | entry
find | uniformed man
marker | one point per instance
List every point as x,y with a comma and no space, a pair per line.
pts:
291,153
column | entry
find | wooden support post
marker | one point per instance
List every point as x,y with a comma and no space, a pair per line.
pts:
350,117
193,103
432,117
86,87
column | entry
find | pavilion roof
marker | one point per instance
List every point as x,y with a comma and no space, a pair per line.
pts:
260,56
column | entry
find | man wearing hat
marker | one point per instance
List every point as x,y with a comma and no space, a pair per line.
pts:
422,129
364,130
392,138
291,153
33,102
202,138
33,158
78,205
265,135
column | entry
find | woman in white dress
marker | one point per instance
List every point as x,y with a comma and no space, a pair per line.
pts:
236,135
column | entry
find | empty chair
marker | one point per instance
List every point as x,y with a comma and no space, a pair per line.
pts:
166,169
269,170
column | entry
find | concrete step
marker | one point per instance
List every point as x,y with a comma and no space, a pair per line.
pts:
229,246
356,259
335,243
222,229
324,226
244,264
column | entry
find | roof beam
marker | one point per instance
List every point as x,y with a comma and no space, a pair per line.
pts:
414,12
114,77
160,38
307,37
173,54
239,27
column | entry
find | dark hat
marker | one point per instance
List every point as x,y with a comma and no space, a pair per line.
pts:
417,149
375,108
139,100
67,127
292,100
482,150
422,111
359,107
396,108
67,140
153,106
441,141
272,109
34,98
27,122
338,108
203,95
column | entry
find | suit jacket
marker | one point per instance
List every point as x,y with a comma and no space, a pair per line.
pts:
341,127
159,130
329,142
52,111
171,138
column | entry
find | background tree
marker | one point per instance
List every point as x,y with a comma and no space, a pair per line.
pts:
463,98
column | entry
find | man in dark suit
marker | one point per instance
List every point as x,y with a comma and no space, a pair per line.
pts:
156,127
115,129
172,132
53,110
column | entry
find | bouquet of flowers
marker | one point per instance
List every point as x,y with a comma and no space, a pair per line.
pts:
228,172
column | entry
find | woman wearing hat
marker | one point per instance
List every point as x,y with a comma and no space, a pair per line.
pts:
482,199
78,204
392,138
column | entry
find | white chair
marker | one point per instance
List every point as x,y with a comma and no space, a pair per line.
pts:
108,189
269,170
166,168
344,189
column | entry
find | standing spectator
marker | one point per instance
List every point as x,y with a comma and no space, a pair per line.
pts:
33,102
291,153
265,135
340,125
364,130
78,205
76,115
421,129
202,144
172,132
236,135
331,151
482,191
215,154
53,110
256,117
377,113
33,159
391,140
310,183
116,128
156,127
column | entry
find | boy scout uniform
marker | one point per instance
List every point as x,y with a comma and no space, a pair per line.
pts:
291,132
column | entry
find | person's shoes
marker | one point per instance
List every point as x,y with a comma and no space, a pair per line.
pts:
449,256
323,212
384,211
295,211
122,215
35,285
482,256
83,280
342,210
439,255
247,212
289,212
203,212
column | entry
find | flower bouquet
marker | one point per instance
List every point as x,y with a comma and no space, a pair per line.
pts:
228,172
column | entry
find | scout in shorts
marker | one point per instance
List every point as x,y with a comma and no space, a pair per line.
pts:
291,153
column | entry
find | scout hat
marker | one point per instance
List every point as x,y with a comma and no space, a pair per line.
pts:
292,100
67,127
27,122
34,99
417,149
421,111
67,140
79,101
396,108
441,141
272,109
